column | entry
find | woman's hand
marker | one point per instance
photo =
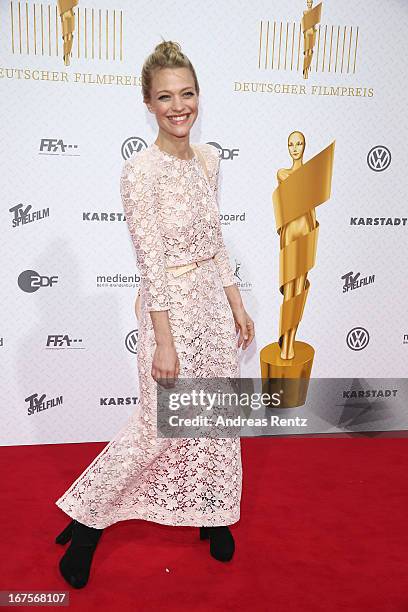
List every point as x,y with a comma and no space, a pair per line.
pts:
138,308
244,325
165,365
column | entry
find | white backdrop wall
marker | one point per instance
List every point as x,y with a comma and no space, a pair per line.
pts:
94,113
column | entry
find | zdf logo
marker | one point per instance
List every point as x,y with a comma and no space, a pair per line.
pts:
225,153
30,281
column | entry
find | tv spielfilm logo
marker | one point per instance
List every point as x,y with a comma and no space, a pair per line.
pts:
379,158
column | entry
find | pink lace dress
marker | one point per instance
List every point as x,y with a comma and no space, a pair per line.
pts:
173,218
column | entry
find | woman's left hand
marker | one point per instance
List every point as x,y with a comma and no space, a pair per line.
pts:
138,308
244,325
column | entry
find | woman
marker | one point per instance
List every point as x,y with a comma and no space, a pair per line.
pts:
188,321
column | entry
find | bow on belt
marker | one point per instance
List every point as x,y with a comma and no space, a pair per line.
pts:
179,270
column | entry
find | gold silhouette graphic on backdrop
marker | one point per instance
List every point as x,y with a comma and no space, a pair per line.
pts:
309,20
304,225
300,189
66,11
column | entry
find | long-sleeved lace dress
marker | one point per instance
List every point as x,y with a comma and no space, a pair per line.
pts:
173,217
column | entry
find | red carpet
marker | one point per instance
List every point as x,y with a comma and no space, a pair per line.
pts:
323,527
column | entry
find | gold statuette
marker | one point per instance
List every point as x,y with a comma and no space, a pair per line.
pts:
309,20
300,189
66,11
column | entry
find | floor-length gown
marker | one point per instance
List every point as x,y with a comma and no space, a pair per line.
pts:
172,213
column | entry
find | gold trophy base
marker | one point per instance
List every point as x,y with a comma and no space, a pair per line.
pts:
289,377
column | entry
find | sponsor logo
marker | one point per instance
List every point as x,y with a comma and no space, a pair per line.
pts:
229,218
30,281
63,341
379,158
118,280
224,152
371,393
357,338
55,146
131,145
118,401
239,275
38,403
378,221
131,341
22,216
353,281
103,216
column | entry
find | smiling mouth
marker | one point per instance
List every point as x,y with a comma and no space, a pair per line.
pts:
179,119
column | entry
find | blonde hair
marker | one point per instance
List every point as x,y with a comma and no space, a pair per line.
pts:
167,54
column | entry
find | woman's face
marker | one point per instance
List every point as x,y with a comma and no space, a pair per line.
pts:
296,145
174,100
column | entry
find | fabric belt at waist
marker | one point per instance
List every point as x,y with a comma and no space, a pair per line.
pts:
178,270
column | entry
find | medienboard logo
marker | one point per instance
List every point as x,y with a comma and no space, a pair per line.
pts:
118,280
228,218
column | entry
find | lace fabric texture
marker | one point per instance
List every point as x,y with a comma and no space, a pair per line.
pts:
173,218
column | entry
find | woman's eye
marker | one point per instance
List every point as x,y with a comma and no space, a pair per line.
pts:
187,93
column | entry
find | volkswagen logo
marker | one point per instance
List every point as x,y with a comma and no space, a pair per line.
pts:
131,341
357,338
132,145
379,158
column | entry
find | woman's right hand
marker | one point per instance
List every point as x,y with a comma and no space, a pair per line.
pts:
138,308
165,365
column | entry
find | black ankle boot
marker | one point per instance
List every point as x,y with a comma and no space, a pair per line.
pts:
222,544
66,534
75,564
